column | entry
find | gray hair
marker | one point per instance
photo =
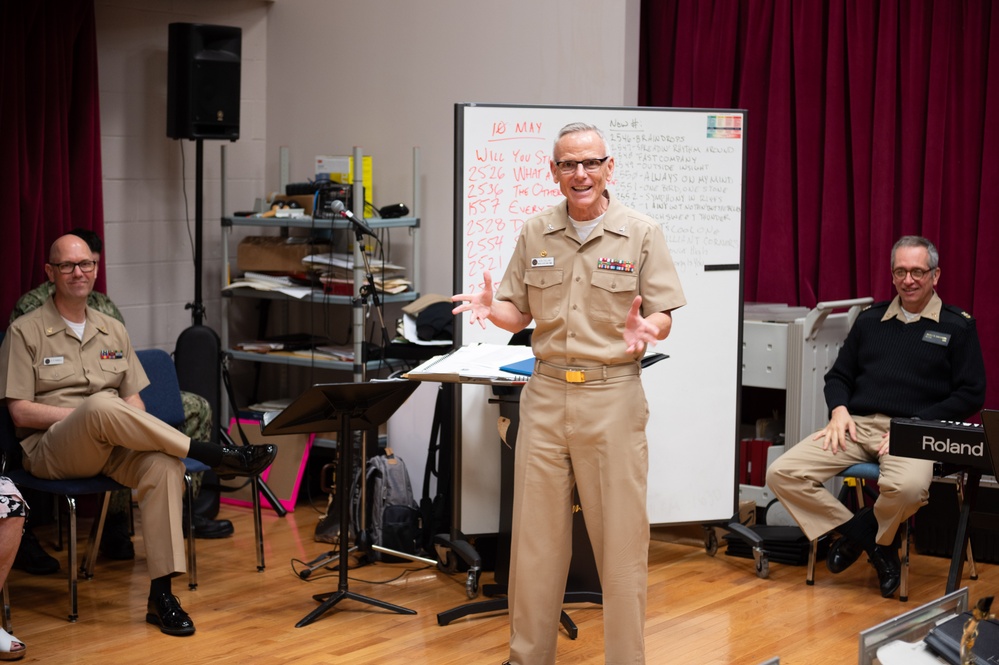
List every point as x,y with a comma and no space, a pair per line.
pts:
574,127
917,241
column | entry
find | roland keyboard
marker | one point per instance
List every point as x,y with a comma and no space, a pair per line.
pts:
950,442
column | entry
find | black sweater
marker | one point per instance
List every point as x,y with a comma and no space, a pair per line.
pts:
906,370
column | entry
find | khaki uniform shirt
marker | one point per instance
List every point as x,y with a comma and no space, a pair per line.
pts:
42,360
579,293
931,311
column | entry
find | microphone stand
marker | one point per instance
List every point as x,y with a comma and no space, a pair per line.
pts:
368,288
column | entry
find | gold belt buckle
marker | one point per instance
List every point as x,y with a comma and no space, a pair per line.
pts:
575,376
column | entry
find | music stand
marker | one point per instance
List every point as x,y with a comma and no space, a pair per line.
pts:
341,407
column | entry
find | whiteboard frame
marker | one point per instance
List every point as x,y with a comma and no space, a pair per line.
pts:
475,420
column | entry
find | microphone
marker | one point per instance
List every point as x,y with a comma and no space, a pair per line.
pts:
339,208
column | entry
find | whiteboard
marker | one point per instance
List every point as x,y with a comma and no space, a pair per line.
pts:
685,169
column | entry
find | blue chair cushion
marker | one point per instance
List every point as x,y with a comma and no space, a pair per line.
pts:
194,466
863,470
68,486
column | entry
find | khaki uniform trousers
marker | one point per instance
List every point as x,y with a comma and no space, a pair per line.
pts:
107,435
796,479
592,436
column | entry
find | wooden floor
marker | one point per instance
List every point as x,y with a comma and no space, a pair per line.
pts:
702,609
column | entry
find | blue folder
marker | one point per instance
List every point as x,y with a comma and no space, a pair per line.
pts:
522,367
526,367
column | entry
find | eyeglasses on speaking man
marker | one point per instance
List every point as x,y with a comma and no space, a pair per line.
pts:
569,166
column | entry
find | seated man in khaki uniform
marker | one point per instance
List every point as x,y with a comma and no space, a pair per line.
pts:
116,542
71,381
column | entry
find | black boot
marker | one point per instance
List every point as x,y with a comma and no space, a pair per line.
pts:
856,536
116,543
31,558
884,558
209,528
842,554
248,460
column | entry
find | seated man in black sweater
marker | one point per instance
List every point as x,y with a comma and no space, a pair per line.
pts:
912,357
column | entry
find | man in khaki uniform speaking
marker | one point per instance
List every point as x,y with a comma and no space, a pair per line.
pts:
71,381
598,281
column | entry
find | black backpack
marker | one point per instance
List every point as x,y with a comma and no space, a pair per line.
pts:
392,517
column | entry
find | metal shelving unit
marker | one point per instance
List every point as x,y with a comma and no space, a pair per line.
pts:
317,296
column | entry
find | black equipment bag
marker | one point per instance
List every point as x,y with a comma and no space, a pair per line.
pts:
198,358
435,512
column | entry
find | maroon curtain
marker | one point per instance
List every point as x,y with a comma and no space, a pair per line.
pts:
867,120
50,152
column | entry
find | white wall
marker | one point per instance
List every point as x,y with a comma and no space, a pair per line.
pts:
321,76
149,182
385,75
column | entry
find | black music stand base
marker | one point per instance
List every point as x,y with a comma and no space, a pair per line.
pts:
346,407
331,599
503,604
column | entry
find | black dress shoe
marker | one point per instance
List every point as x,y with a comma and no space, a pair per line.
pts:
165,611
842,554
245,460
31,558
116,543
884,558
206,528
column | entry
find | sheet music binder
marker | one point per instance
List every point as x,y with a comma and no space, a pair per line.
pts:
945,640
476,363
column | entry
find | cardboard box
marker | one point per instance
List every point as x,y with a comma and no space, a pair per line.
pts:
284,476
275,254
304,201
341,169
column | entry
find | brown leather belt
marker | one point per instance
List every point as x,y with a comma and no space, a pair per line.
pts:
586,374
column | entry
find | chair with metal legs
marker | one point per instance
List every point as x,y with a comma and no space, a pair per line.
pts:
69,490
856,476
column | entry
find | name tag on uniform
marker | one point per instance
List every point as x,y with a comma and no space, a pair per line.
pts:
52,360
543,261
943,339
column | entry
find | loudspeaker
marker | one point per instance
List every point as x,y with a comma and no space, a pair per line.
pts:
203,81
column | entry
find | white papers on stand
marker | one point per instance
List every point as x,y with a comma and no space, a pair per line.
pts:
346,261
477,363
262,282
409,332
900,652
271,405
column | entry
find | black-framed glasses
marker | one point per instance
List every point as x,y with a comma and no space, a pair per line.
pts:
917,273
67,267
568,166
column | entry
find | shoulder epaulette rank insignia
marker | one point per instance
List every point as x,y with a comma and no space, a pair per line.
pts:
960,312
